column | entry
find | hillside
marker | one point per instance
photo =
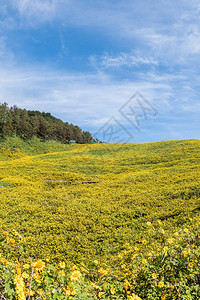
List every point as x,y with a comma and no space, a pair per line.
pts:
148,193
29,124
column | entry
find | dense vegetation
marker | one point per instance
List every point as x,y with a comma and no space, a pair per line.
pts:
134,235
28,124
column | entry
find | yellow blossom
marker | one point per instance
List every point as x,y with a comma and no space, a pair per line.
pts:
100,294
75,275
164,297
26,266
185,253
165,249
190,265
154,275
112,291
160,284
144,261
170,240
62,265
39,265
171,287
20,286
25,275
102,271
12,241
134,297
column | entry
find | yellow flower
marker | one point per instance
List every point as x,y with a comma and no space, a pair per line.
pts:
39,265
32,293
126,285
12,241
100,294
62,265
25,275
20,286
5,233
75,275
171,287
165,249
144,261
190,265
149,223
123,266
134,297
160,284
154,275
144,242
62,272
170,240
95,286
17,234
96,262
26,266
164,297
40,292
67,292
102,271
185,253
73,292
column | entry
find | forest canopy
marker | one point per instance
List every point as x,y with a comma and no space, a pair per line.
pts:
27,124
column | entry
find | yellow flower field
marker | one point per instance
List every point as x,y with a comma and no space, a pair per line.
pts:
132,235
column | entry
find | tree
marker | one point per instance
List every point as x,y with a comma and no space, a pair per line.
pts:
43,125
87,137
5,120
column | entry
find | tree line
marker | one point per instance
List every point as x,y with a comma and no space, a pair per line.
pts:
27,124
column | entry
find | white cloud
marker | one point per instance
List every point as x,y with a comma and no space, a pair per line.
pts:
6,56
192,42
2,46
76,98
125,59
38,11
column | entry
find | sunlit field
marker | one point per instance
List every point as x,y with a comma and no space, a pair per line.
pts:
133,234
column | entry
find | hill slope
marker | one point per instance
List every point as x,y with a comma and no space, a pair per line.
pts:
137,230
139,182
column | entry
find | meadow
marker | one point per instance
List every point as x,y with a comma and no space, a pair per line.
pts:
133,235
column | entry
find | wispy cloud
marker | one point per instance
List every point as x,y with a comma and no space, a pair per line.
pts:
124,59
6,55
64,94
38,11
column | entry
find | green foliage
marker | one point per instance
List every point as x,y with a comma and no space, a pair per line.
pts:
28,124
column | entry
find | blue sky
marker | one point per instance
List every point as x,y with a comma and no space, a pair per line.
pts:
83,61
